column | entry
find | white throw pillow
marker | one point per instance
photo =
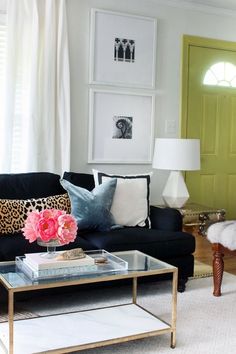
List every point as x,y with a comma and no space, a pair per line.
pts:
130,206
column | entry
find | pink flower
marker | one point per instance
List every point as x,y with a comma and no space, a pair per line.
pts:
67,229
47,228
50,224
30,231
51,213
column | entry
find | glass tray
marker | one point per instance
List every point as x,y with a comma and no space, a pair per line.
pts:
113,264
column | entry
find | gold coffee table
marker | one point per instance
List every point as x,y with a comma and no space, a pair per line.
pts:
65,333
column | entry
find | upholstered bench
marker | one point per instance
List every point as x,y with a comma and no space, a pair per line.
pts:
222,235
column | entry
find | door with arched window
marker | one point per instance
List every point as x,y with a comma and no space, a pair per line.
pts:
209,113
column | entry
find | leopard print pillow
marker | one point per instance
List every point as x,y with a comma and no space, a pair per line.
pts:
13,212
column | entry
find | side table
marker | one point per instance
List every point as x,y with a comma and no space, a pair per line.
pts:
197,218
200,217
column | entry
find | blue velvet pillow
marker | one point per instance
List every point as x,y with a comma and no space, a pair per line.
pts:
92,209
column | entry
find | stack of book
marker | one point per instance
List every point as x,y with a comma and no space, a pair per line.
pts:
38,267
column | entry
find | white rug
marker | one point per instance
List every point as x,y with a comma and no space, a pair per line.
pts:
205,324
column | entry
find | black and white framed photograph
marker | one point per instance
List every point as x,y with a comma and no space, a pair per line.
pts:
122,49
120,127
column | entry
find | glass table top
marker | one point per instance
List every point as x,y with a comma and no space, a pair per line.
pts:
139,264
138,261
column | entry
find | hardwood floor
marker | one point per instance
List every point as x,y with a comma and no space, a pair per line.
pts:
203,254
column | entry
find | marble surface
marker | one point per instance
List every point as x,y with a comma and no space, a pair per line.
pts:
61,331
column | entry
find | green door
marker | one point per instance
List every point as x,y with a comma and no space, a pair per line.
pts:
209,113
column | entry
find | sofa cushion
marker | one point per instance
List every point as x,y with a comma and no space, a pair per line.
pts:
92,209
17,245
168,219
84,180
130,206
156,243
13,212
29,185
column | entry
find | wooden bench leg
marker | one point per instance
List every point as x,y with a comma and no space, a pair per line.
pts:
218,269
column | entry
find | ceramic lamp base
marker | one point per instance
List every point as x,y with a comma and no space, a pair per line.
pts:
175,193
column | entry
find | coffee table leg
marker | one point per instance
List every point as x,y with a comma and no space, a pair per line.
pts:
174,308
11,319
134,290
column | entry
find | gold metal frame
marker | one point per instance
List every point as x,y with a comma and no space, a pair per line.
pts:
134,276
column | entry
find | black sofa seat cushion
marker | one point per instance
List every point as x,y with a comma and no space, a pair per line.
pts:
156,243
17,245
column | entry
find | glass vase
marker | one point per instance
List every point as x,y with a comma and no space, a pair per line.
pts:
51,248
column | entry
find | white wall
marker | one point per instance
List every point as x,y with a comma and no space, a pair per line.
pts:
172,23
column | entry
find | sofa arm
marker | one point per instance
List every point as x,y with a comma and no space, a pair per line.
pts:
166,219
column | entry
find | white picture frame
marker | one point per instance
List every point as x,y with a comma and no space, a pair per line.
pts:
122,49
120,127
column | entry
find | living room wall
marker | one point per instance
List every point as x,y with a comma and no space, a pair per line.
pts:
174,19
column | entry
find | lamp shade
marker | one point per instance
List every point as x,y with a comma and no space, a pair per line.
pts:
176,154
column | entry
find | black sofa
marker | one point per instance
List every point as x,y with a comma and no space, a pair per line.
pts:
165,240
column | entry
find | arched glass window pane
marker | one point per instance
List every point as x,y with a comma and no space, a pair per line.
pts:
221,74
218,70
224,83
230,71
210,78
233,82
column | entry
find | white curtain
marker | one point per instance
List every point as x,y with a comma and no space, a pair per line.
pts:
35,122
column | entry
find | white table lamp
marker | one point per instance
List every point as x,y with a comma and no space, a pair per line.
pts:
176,155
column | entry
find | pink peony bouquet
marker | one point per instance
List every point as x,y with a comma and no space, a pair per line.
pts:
50,224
